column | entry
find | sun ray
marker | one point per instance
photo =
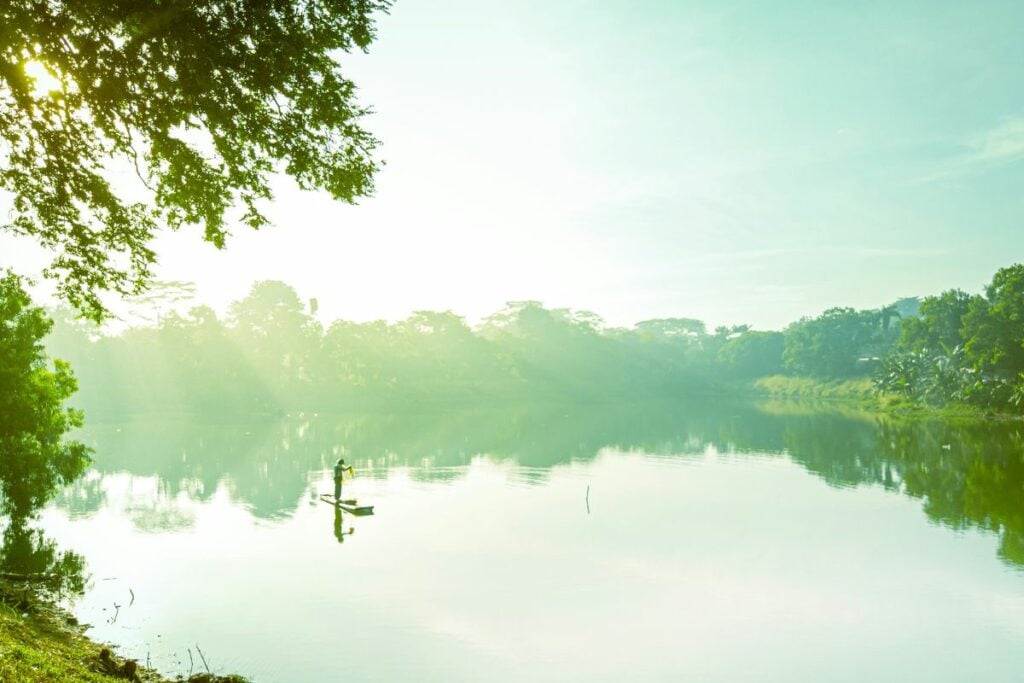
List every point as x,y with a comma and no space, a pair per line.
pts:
44,81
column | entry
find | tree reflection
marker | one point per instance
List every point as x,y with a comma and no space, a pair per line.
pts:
969,474
85,497
29,556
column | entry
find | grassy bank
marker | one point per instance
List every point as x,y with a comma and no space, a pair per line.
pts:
861,394
41,643
783,386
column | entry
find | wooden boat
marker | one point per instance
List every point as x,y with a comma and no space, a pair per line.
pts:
348,505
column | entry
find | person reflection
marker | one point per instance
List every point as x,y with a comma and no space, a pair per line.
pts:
340,533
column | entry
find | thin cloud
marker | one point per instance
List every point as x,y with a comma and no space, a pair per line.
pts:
1002,144
1005,142
855,251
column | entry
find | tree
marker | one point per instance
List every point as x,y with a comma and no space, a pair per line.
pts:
275,334
938,327
832,344
204,100
33,420
994,326
753,354
927,361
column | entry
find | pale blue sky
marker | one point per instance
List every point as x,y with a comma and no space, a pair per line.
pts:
735,162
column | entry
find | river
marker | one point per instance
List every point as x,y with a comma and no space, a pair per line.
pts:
643,542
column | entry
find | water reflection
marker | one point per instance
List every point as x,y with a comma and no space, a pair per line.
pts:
969,474
29,556
30,562
339,530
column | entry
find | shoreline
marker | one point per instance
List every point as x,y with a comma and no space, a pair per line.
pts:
42,641
861,394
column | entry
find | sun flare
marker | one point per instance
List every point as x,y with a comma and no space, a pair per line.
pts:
44,81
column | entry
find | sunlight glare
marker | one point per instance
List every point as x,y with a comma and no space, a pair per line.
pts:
44,81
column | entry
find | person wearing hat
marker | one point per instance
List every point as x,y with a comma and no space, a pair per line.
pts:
339,471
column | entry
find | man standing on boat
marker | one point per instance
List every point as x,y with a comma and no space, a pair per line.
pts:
339,471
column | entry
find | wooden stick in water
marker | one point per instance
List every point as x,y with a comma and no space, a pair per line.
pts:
203,658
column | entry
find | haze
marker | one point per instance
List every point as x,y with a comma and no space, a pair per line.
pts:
748,163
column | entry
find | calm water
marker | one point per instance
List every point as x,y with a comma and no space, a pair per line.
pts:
716,543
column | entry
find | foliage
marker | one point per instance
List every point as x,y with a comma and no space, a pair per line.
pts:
270,354
203,100
930,377
33,420
753,354
938,324
964,348
42,648
782,386
838,343
993,327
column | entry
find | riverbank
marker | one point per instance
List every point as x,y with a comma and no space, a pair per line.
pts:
861,394
40,642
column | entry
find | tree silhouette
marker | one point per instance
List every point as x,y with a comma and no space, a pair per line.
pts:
204,100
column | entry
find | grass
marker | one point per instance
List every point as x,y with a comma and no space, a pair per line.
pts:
35,648
861,395
860,390
40,646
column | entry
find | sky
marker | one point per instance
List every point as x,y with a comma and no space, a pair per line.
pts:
736,162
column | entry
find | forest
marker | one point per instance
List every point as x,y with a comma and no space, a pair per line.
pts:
270,355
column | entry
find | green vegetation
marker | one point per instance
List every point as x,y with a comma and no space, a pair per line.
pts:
37,459
271,355
203,101
121,119
32,394
963,348
861,389
957,354
841,342
41,647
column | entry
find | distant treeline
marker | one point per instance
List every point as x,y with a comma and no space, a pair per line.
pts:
269,354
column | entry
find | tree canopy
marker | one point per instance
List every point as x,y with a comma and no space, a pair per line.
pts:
967,348
203,99
832,344
33,420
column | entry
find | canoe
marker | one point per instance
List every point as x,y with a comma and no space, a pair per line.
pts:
328,498
348,505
